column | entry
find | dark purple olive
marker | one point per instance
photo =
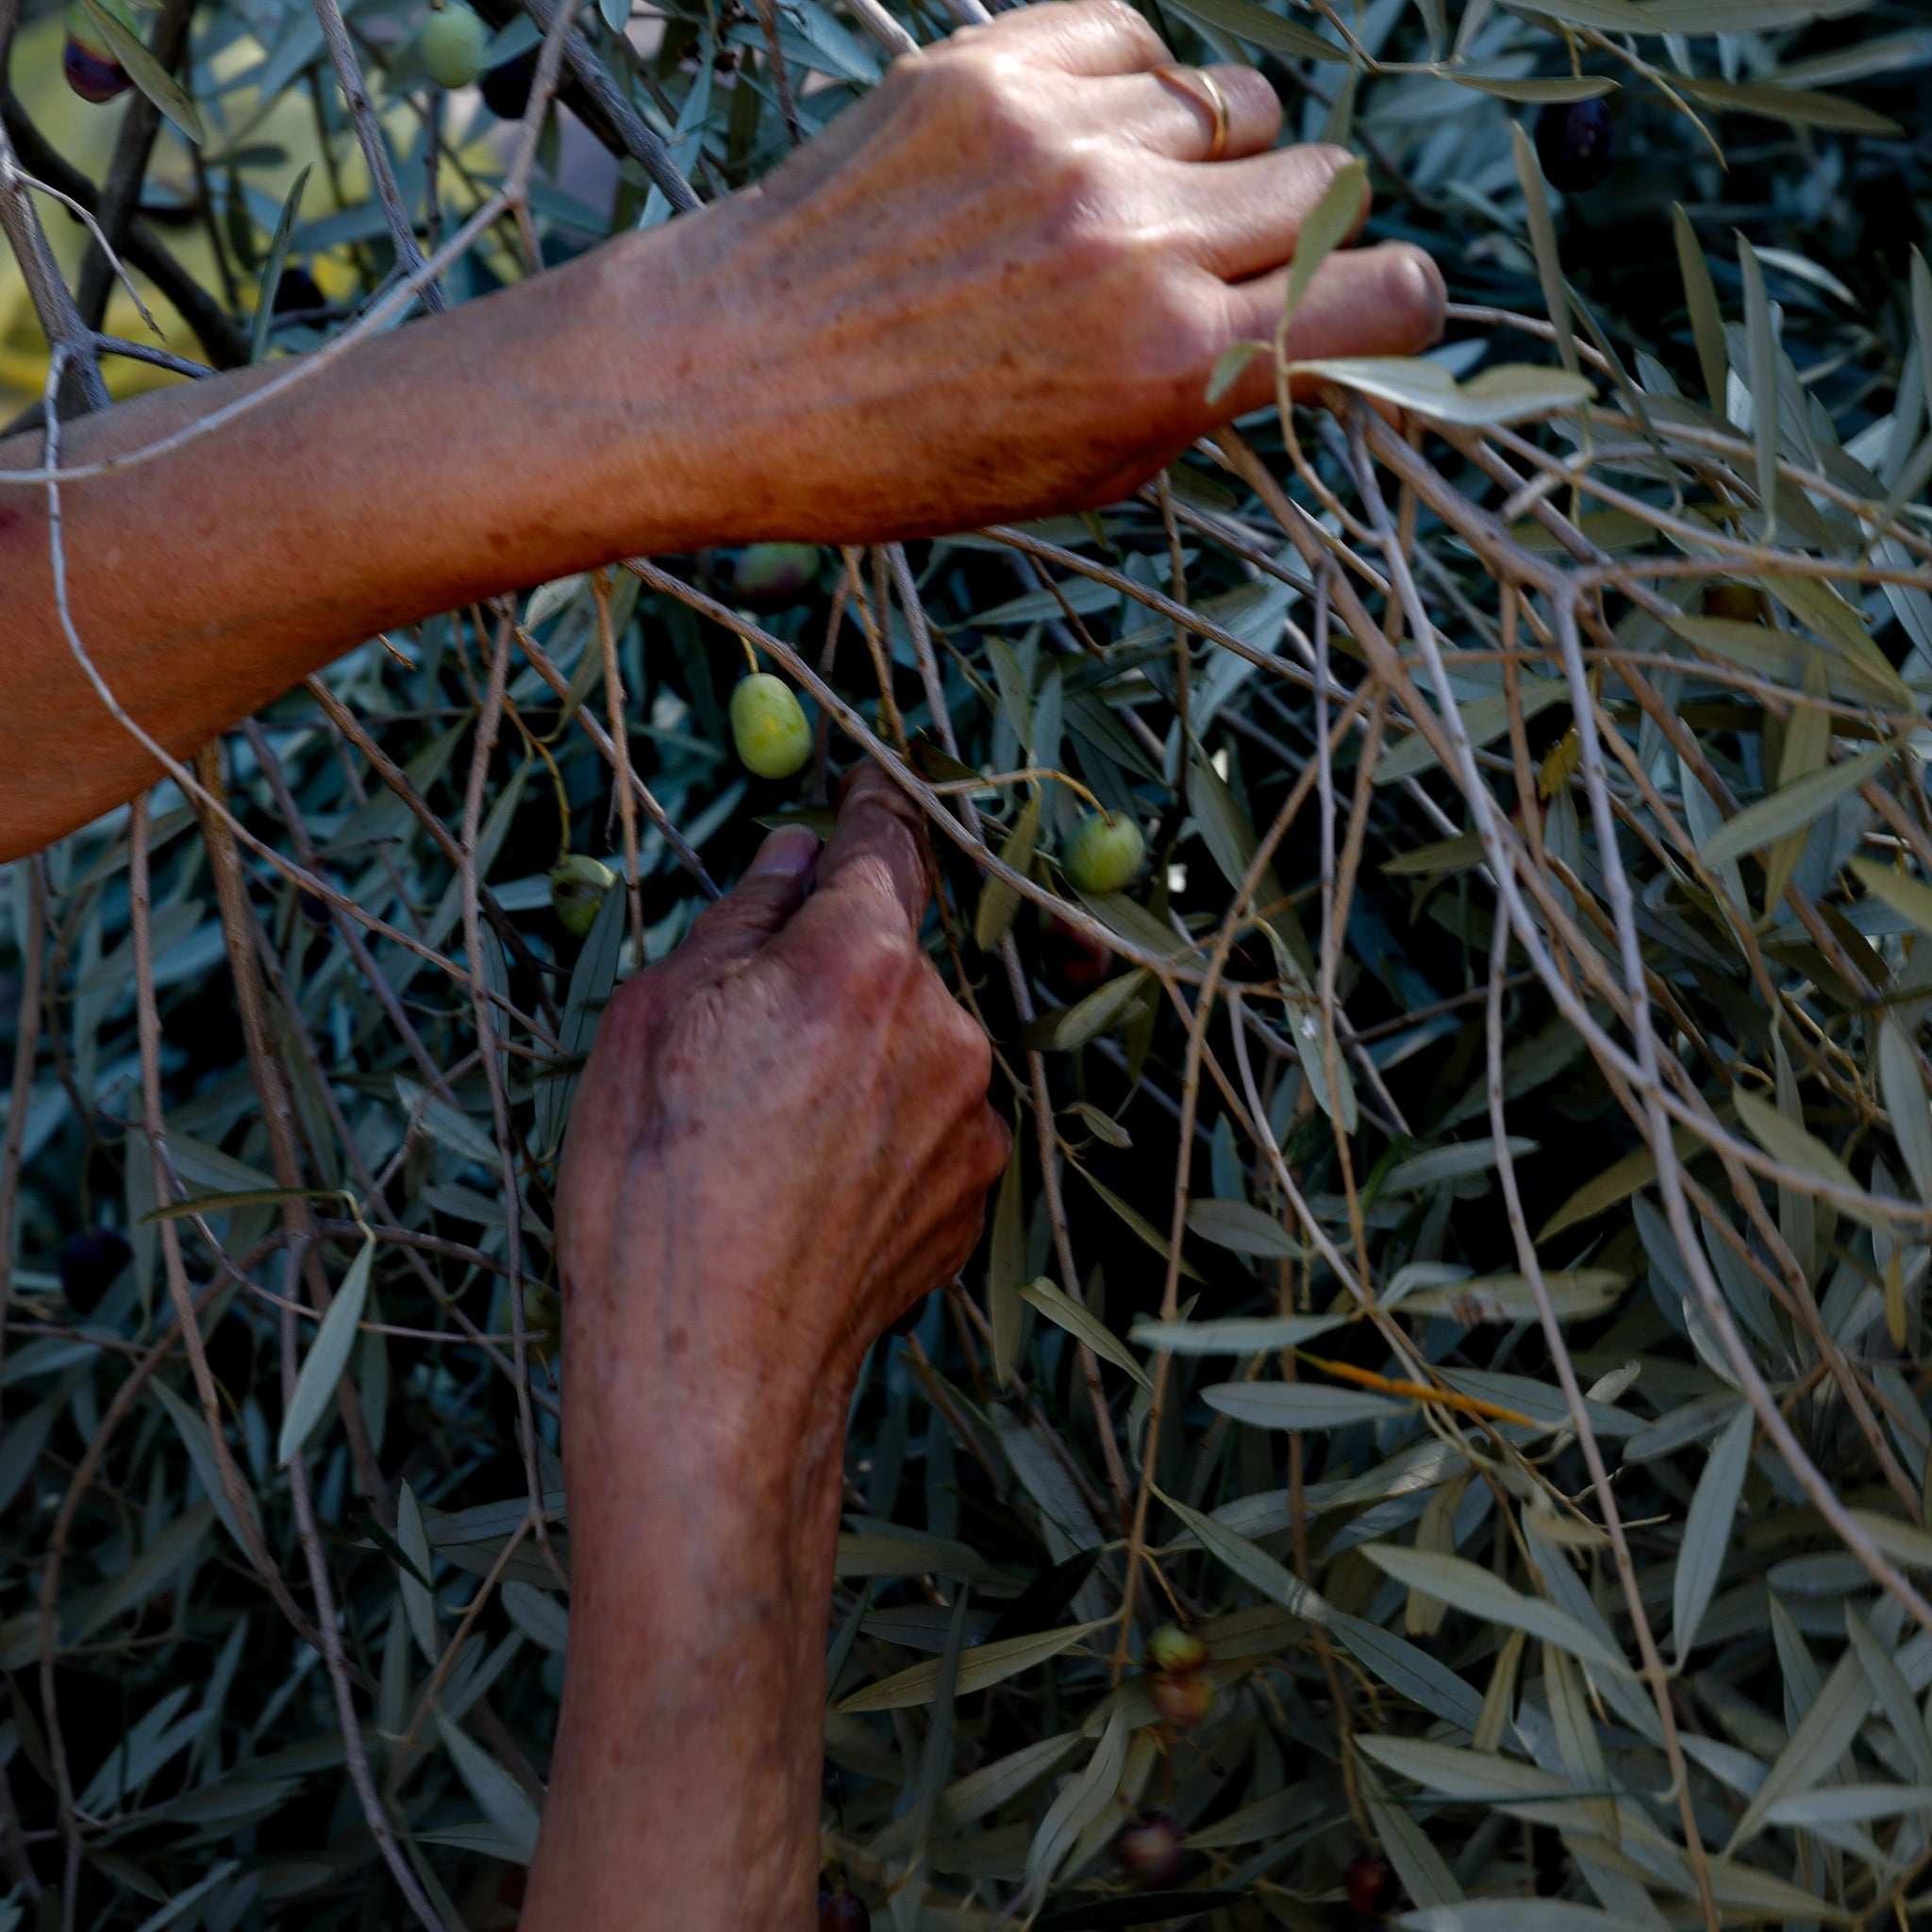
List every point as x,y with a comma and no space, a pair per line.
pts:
1369,1882
839,1911
770,575
298,294
507,88
91,1262
1151,1852
1576,142
92,75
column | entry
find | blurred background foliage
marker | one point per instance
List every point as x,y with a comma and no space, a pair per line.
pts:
283,1613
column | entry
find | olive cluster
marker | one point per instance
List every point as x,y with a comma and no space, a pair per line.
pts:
1178,1683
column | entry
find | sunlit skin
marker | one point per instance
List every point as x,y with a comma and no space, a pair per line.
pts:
995,288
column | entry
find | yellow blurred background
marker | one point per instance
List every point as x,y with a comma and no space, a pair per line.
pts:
275,141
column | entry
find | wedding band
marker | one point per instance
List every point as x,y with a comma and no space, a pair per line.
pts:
1215,101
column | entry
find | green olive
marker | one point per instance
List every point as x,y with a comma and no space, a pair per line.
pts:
453,42
1105,852
577,885
769,727
1170,1648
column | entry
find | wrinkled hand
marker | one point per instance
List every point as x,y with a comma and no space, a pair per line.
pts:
782,1138
999,284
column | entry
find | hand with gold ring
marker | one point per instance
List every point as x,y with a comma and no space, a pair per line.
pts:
995,288
1198,83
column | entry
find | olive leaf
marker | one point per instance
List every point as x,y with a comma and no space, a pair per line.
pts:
1063,1310
1790,808
1707,1529
1506,393
990,1663
1245,1230
1253,1565
1300,1405
1235,1336
1324,229
998,901
1230,366
327,1357
1536,89
1802,107
144,71
1481,1592
1265,28
273,264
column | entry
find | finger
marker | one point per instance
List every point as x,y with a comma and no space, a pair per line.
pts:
875,857
1382,301
773,887
1172,111
1246,218
1086,37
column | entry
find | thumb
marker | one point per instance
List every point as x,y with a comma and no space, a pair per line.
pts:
773,887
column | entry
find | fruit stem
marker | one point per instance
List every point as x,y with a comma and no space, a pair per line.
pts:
751,657
1031,775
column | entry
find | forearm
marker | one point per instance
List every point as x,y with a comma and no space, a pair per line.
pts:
512,441
684,1786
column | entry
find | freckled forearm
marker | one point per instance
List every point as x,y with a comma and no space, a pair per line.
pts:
445,461
688,1751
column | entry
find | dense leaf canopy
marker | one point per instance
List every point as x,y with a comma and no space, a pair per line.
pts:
1465,1248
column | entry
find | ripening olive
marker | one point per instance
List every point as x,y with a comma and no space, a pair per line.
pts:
839,1911
1369,1882
1151,1852
769,727
769,576
577,885
1105,852
453,40
88,62
1170,1648
1182,1697
1575,142
1738,602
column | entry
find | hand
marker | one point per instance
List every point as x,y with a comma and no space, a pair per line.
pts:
995,288
998,286
781,1141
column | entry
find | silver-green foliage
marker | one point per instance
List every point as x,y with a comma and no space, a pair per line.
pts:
1521,1384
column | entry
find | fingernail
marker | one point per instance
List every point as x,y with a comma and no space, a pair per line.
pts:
792,850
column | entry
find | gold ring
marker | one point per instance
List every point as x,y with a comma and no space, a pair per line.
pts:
1216,101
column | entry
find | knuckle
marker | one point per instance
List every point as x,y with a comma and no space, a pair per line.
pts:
1252,99
1121,17
872,964
978,89
1326,157
1413,289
